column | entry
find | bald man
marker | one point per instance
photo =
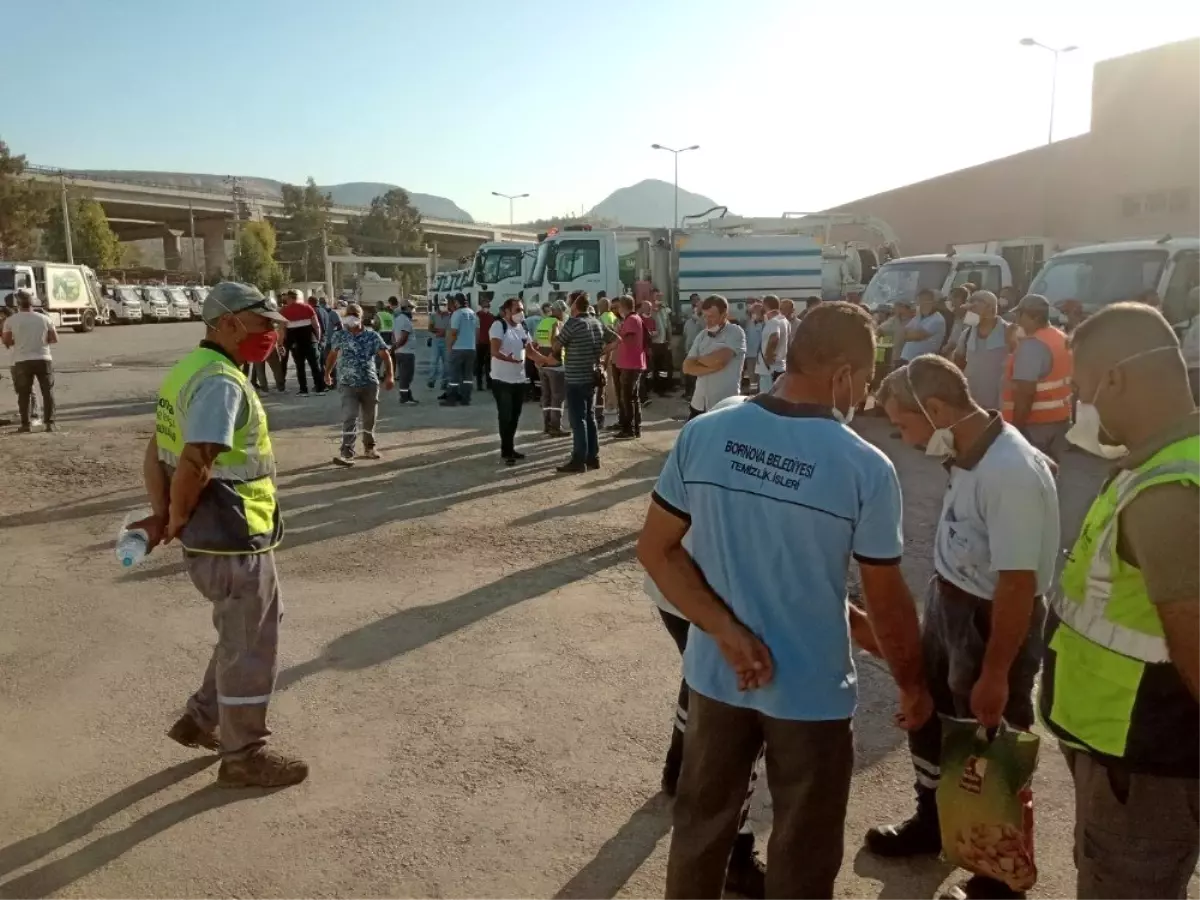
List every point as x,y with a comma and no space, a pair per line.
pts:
1122,658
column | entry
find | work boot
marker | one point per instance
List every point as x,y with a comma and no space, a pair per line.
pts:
189,734
263,768
980,887
747,874
918,835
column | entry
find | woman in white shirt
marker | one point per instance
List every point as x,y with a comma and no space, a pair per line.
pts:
510,344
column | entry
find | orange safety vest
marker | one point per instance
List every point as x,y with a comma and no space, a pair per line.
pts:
1052,400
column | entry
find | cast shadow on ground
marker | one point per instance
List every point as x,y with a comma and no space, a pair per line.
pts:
56,875
902,878
411,628
622,854
78,412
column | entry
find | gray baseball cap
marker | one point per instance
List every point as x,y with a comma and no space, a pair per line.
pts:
1034,303
234,297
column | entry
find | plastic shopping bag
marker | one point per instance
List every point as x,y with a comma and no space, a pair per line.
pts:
985,803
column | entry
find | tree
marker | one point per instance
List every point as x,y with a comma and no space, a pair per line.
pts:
392,227
305,220
131,256
23,207
254,257
93,242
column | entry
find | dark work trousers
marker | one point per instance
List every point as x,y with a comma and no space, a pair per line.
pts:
808,774
1136,834
406,370
458,389
581,410
24,374
689,386
954,636
509,399
660,355
278,361
678,627
483,367
240,678
380,368
304,352
628,400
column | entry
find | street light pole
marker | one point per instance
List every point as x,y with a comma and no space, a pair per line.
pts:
510,198
66,217
676,154
1057,51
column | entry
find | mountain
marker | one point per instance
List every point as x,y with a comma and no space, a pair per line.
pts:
354,193
649,204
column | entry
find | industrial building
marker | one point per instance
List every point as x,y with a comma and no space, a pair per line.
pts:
1136,173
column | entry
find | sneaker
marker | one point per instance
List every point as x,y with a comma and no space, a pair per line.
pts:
572,466
24,429
747,873
264,768
624,436
302,393
916,836
980,887
509,461
189,734
515,455
593,463
558,432
345,458
371,454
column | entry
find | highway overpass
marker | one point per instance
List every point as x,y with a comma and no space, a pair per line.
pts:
138,210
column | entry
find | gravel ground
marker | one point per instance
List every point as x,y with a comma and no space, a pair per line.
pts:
468,663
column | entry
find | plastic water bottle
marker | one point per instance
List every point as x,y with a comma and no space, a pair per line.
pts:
132,543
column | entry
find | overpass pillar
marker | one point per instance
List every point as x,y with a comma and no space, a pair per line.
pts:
213,233
172,256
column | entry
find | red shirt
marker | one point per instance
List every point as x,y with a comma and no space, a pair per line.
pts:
485,325
631,352
300,315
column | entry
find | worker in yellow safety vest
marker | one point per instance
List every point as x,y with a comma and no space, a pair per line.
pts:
210,475
553,377
1122,655
1036,395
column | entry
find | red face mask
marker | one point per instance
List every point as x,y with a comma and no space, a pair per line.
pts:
256,348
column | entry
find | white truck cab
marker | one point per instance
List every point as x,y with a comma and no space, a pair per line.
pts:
155,305
123,303
1083,280
498,272
577,258
196,295
903,278
181,307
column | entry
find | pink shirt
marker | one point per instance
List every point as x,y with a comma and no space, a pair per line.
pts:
631,354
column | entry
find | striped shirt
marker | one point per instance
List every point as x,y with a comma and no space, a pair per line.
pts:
583,338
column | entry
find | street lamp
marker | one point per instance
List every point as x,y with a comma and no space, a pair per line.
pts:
1031,42
676,154
510,198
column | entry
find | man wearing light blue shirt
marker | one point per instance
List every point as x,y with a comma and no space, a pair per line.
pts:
768,659
926,333
460,341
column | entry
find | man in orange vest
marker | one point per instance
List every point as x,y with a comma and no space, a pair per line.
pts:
1037,385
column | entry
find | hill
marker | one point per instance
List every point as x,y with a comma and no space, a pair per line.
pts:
649,204
353,193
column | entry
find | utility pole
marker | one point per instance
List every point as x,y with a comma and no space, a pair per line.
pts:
192,231
235,192
328,267
66,214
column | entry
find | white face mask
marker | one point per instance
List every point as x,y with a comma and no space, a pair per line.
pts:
844,417
518,318
351,321
970,318
1087,430
941,442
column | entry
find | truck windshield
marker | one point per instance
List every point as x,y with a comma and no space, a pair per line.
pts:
544,252
155,295
904,280
177,296
497,265
574,259
1098,279
128,295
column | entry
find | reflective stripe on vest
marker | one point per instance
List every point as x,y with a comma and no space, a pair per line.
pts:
237,512
1088,616
1052,397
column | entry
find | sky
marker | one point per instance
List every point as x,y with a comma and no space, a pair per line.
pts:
796,106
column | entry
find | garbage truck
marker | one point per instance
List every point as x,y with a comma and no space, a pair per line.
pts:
68,294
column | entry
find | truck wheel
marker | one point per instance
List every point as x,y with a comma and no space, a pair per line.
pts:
87,323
